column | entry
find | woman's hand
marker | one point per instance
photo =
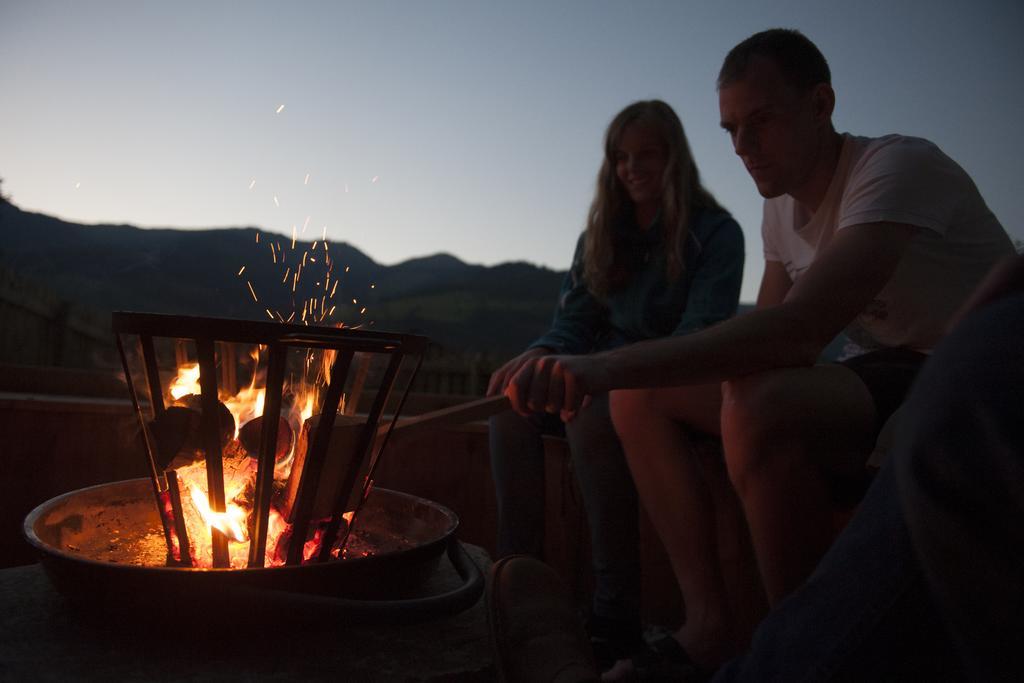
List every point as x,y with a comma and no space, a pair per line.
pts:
558,385
501,376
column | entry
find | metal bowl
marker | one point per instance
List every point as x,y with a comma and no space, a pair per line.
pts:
91,540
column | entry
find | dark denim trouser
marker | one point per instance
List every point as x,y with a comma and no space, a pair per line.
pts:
926,583
610,499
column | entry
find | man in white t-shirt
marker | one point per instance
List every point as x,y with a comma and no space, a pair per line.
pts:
883,238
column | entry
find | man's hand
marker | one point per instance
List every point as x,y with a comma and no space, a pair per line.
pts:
555,384
501,376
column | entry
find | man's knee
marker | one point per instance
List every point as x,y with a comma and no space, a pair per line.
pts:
632,409
757,425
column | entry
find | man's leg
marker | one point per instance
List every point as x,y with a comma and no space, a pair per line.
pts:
961,478
655,429
787,434
610,501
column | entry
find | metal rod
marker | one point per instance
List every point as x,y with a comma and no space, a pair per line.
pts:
375,458
210,430
156,392
366,439
358,380
316,454
184,547
150,460
268,449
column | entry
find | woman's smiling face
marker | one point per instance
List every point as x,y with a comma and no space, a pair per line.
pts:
640,161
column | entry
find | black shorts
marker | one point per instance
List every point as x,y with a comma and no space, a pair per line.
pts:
887,374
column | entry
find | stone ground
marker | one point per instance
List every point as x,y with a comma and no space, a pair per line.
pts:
44,639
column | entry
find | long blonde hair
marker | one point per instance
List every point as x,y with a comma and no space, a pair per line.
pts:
681,195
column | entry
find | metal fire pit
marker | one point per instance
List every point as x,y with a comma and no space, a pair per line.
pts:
125,547
93,543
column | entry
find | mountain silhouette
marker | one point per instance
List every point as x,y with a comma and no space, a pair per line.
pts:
462,307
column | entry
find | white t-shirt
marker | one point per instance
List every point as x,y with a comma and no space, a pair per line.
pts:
900,180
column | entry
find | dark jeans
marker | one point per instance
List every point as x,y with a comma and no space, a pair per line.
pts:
610,499
927,580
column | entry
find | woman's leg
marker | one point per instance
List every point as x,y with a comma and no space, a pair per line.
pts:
517,467
611,503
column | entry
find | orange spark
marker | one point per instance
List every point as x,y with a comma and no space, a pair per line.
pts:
242,270
273,252
271,315
257,238
324,236
252,291
363,310
346,269
373,286
334,288
279,109
305,224
331,312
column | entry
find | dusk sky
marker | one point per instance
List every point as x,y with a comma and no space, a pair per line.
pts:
472,128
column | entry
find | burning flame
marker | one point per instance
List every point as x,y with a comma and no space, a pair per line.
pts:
186,382
230,522
239,465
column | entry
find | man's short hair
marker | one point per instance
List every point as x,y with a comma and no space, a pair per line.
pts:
800,61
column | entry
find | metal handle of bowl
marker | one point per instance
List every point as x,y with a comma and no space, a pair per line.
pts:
378,611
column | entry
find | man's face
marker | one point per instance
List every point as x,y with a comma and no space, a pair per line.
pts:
773,128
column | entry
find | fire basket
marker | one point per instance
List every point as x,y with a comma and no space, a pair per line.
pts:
311,535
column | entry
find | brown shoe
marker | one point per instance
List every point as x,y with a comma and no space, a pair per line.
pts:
535,630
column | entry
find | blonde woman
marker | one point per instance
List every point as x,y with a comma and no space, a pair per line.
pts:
659,256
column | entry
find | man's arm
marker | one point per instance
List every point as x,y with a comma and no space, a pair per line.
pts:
775,285
842,281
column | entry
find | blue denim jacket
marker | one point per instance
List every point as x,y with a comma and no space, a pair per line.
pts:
649,305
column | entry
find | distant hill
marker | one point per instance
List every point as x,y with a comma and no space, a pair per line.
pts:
462,307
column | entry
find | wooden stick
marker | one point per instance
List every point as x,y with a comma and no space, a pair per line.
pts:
470,411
